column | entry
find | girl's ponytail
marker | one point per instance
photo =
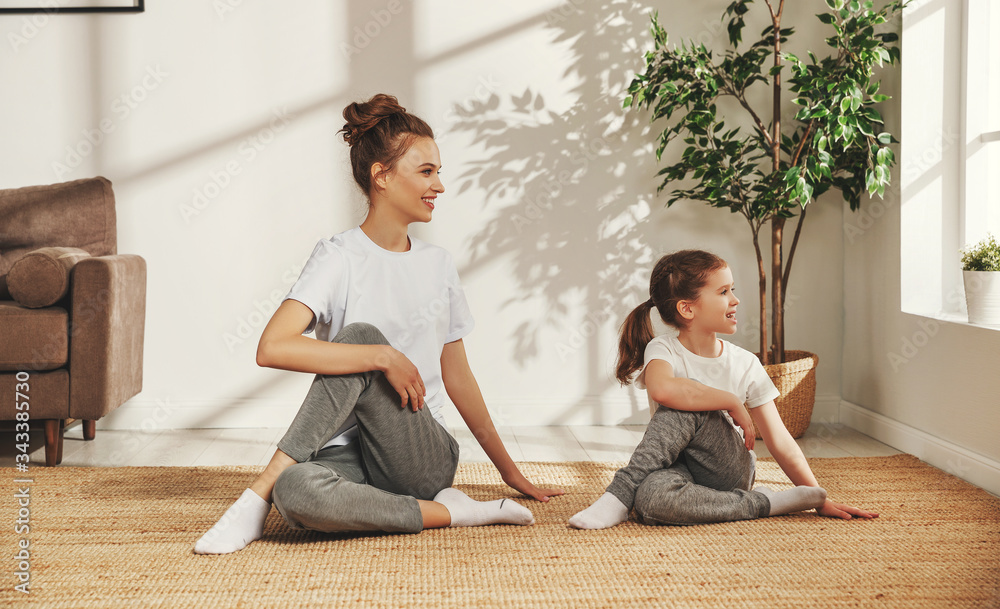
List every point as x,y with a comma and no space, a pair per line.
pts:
635,334
676,277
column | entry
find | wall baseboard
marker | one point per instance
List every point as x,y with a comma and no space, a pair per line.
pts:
626,409
972,467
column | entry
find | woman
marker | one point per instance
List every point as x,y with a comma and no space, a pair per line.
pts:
367,450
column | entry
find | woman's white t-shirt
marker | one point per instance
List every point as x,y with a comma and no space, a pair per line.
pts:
736,370
414,297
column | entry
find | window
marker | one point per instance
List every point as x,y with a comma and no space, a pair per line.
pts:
981,207
950,147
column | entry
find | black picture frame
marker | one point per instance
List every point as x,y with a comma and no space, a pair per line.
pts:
78,6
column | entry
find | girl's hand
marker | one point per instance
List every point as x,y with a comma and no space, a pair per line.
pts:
404,378
522,485
832,509
742,418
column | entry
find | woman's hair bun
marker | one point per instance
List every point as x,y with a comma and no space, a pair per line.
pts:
361,117
379,131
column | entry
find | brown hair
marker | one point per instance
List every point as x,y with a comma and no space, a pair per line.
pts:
379,131
676,277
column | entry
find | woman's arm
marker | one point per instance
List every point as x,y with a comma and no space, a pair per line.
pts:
464,391
283,346
788,455
685,394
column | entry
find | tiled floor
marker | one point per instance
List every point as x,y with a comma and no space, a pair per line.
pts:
199,447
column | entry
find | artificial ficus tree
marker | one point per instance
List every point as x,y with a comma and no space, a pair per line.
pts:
774,171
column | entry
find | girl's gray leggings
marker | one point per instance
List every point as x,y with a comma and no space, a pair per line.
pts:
690,468
373,483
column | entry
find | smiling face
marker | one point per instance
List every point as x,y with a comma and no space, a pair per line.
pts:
411,188
715,309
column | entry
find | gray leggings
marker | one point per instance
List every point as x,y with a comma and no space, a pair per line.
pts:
690,468
373,483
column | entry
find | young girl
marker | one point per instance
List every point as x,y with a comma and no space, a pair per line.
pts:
695,463
367,450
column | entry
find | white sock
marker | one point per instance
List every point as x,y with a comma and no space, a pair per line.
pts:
606,512
793,500
242,523
467,512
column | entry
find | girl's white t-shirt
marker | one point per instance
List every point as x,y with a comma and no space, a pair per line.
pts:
414,297
736,370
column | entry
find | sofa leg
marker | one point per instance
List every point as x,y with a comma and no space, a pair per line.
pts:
53,441
89,429
62,434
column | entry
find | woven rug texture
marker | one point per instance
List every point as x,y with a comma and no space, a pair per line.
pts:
123,537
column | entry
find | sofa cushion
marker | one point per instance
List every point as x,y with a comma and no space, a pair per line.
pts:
79,214
33,339
41,278
48,395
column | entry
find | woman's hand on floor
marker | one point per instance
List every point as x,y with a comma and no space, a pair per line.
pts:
522,485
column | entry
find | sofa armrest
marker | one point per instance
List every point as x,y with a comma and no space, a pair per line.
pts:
107,325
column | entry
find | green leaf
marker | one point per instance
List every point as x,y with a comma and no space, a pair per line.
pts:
826,18
807,191
884,138
873,115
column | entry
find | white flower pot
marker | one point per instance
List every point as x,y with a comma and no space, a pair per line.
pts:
982,294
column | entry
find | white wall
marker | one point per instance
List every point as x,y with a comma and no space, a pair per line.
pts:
222,149
924,385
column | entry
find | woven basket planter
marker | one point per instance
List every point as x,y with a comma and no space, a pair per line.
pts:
796,380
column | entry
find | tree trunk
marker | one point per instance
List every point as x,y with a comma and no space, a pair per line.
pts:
762,290
777,293
777,223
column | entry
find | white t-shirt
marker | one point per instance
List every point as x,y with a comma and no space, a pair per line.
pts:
737,371
414,297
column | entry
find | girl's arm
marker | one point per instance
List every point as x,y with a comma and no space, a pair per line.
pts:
788,455
685,394
283,346
464,391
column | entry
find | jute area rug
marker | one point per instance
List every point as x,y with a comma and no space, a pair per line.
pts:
122,537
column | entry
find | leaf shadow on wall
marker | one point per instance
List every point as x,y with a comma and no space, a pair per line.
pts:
561,187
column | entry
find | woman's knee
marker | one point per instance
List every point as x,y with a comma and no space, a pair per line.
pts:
360,333
291,491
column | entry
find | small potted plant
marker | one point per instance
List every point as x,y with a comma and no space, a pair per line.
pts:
981,272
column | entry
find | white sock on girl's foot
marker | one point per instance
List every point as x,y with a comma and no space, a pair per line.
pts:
793,500
242,523
606,512
467,512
